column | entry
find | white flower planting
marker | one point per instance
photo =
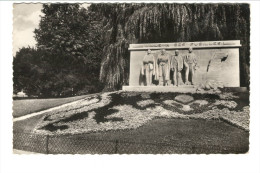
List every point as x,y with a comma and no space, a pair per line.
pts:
144,103
171,102
201,102
227,95
229,104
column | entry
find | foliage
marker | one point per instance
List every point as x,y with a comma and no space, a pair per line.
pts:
143,23
68,55
30,72
71,34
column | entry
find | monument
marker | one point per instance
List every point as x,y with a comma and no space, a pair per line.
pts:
174,66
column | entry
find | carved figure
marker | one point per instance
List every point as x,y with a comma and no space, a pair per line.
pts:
163,68
148,68
176,67
190,63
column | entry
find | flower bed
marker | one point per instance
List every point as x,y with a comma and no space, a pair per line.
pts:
125,110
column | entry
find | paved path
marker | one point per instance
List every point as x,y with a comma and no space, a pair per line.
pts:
55,108
15,151
47,110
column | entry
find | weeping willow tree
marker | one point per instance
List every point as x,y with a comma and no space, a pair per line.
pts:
142,23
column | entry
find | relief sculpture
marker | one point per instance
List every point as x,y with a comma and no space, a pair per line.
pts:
162,72
148,68
164,67
177,67
190,63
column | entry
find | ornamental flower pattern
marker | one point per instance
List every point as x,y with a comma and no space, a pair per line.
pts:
123,110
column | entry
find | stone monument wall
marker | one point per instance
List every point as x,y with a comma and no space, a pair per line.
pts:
217,60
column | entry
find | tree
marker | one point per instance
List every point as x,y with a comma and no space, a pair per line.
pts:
72,36
141,23
30,71
68,53
70,33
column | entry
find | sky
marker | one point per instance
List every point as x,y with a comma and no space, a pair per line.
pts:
26,18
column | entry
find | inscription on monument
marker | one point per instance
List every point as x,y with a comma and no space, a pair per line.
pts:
234,43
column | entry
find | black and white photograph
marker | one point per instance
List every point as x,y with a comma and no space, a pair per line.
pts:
131,78
129,86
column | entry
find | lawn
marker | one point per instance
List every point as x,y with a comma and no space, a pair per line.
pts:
158,136
27,106
175,135
177,131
